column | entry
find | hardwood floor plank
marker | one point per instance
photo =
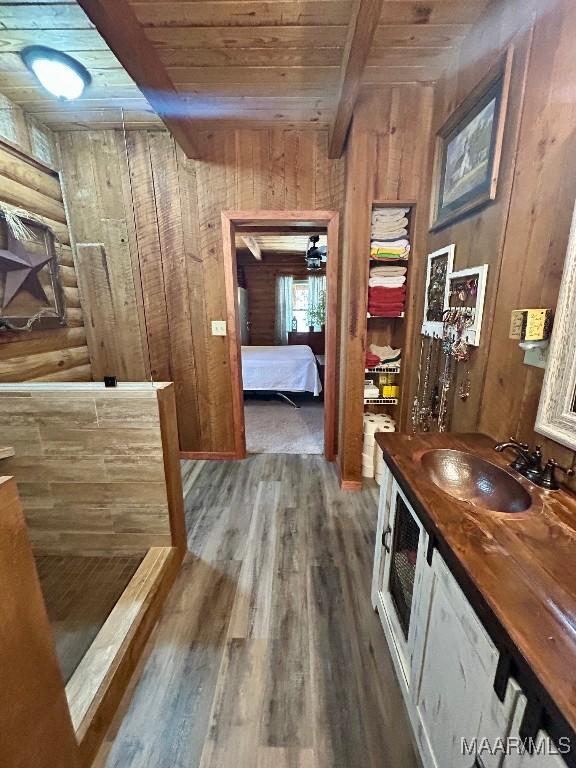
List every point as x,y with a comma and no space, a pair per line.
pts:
233,737
287,708
252,607
164,719
268,653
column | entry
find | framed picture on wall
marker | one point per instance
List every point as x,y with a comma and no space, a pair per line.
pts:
469,147
436,297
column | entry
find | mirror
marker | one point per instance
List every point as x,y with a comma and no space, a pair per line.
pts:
557,412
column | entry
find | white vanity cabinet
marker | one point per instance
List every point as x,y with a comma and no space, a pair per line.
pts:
546,754
445,660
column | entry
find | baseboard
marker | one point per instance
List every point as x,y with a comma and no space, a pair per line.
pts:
350,485
347,485
210,456
96,688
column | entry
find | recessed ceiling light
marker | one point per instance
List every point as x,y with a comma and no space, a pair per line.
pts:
59,73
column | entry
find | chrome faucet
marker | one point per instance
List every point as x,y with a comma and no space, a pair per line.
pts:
529,464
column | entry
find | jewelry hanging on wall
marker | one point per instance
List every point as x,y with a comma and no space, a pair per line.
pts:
446,386
425,412
415,419
465,386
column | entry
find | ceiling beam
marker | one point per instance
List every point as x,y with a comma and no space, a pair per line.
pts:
117,23
361,32
253,247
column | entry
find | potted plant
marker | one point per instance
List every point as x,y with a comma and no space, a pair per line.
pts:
317,312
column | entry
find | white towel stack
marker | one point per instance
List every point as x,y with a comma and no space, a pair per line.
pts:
372,464
389,223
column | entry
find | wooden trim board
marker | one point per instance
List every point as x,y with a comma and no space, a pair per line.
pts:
328,219
36,727
98,684
208,455
172,473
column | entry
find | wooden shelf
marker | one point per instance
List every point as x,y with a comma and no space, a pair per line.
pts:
6,452
383,317
380,401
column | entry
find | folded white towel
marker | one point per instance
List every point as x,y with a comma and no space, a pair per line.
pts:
387,234
402,243
389,214
390,221
388,271
386,282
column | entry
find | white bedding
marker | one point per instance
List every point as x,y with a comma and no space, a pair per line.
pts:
290,368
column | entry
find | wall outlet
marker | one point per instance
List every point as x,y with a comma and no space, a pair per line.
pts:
218,327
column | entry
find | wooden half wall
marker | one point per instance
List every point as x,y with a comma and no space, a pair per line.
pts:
97,469
33,184
176,248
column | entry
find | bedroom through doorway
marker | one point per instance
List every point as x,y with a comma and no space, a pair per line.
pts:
283,275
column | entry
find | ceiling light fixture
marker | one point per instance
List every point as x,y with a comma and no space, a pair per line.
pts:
58,73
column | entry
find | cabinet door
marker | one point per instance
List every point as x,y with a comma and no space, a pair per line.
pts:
401,578
546,754
382,534
454,663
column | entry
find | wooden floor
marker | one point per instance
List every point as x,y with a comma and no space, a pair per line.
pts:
268,653
79,593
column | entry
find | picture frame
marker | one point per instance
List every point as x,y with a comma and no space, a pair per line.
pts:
440,264
53,315
467,289
469,149
556,417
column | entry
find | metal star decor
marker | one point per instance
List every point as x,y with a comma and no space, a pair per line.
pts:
21,268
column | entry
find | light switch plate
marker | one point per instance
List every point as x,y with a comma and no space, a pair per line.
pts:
218,327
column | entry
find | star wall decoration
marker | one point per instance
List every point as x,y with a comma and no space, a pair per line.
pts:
21,269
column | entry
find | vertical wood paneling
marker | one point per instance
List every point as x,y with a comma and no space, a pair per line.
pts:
523,235
386,159
92,164
148,241
244,169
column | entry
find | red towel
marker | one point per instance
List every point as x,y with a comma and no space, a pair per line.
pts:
379,292
372,360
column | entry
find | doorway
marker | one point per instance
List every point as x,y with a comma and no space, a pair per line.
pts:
252,229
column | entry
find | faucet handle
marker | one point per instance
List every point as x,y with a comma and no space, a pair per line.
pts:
549,477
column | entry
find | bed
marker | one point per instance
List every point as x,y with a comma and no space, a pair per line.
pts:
280,369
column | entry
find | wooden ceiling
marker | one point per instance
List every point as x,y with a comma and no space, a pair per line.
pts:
279,242
63,25
230,62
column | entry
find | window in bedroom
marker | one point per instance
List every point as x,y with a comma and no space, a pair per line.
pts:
309,303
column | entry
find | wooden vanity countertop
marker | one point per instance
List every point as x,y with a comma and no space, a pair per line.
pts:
518,570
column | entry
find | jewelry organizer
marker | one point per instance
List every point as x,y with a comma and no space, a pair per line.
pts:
448,344
389,327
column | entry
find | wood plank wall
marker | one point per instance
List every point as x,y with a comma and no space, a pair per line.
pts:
178,240
46,355
260,282
95,182
522,236
89,467
386,159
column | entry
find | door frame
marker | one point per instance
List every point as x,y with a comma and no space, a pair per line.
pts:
328,219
